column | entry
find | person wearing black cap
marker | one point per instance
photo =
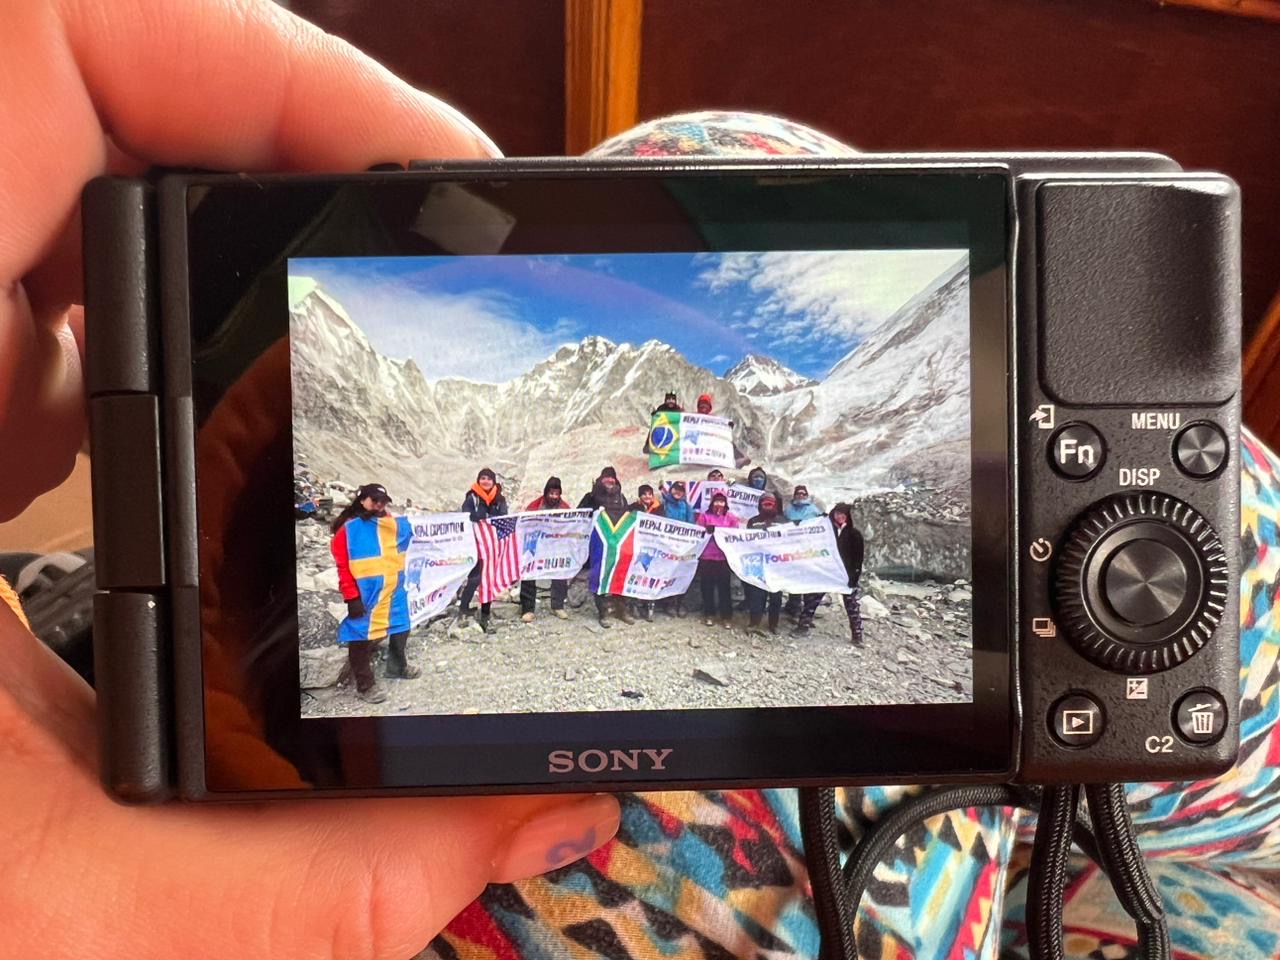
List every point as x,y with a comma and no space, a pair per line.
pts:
757,599
484,499
646,502
591,501
614,504
369,547
670,404
551,499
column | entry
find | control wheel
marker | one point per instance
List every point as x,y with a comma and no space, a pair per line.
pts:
1140,583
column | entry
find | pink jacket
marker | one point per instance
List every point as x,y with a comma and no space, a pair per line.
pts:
711,551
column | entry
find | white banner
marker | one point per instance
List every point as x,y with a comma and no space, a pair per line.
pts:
689,438
664,557
441,554
553,543
706,440
797,558
744,501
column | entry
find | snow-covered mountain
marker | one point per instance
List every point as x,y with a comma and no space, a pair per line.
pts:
893,411
758,376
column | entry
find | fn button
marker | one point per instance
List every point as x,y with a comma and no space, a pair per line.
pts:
1076,721
1076,451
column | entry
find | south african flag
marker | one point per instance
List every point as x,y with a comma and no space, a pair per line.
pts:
610,553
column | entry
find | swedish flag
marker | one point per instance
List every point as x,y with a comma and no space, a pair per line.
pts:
376,548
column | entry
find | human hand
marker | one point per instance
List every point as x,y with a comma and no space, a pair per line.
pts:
90,87
355,608
223,85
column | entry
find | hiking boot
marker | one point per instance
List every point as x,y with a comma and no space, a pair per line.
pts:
802,630
855,630
648,612
560,613
602,618
410,672
374,694
487,625
624,615
680,609
753,626
526,617
773,621
709,622
727,623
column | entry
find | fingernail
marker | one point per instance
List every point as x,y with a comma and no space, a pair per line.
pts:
558,836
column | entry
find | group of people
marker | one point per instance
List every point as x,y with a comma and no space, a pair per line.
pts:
377,612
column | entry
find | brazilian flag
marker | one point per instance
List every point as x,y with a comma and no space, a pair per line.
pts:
664,439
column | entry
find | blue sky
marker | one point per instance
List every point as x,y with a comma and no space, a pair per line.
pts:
491,318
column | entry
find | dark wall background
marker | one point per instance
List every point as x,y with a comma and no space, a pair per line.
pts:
501,62
912,74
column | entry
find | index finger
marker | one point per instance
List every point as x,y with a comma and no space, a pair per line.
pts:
217,84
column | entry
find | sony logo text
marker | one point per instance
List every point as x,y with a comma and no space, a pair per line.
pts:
597,761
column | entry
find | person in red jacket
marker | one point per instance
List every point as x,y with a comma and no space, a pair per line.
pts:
369,546
552,499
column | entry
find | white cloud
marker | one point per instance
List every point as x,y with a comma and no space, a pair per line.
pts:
810,296
478,335
719,358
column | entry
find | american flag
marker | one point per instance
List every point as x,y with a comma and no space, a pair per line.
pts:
499,551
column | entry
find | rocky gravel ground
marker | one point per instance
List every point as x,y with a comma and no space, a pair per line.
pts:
916,649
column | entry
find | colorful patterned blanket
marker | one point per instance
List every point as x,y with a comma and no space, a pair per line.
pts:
713,876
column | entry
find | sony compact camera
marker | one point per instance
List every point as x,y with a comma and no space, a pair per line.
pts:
565,475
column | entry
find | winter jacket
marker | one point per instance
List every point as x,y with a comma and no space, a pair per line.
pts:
475,505
797,512
851,546
370,553
761,520
590,501
610,500
712,550
541,504
653,511
767,488
674,509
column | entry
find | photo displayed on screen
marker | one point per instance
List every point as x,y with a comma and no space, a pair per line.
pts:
562,483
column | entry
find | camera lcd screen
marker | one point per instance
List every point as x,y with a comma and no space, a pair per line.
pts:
776,405
632,481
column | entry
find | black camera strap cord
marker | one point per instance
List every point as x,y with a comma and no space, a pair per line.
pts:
1106,837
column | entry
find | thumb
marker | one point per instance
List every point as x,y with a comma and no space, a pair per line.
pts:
374,879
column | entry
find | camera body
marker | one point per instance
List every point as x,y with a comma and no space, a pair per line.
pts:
1100,397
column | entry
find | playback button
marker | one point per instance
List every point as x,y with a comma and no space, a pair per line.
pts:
1076,721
